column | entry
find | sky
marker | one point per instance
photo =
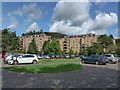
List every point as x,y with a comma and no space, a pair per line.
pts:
72,18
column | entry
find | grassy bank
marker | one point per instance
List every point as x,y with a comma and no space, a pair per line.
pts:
54,68
58,60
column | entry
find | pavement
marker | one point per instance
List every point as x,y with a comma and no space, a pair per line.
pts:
93,76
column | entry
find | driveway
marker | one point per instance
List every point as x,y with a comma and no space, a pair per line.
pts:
93,76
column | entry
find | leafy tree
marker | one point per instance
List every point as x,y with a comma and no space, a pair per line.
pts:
52,47
84,52
32,47
111,35
111,49
105,41
71,52
118,49
76,53
9,40
96,49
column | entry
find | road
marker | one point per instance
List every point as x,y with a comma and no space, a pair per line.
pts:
93,76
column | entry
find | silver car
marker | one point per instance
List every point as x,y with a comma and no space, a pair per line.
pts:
112,58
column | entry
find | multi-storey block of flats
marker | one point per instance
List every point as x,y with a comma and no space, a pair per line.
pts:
77,42
39,40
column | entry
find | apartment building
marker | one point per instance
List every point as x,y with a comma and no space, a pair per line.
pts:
77,42
39,40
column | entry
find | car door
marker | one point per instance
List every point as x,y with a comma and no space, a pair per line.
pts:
88,59
29,58
23,59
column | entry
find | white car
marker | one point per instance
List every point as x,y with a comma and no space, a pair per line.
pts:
26,58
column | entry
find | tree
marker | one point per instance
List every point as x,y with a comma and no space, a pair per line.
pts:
71,52
32,47
111,35
9,40
118,49
111,49
105,41
52,47
84,52
96,49
76,53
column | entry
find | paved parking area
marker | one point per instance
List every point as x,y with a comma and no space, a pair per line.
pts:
93,76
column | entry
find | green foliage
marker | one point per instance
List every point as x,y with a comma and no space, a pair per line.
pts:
52,34
9,40
118,49
32,47
95,49
105,40
14,51
112,49
76,53
71,52
84,52
52,47
111,36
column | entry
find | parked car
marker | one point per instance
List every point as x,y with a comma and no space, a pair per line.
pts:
112,58
82,56
7,54
66,56
97,59
7,57
52,56
57,56
45,56
118,57
27,58
72,56
3,54
14,57
61,56
39,57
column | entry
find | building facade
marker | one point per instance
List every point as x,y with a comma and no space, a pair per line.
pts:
39,40
74,42
77,42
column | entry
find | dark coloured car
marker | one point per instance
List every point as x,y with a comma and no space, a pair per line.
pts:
97,59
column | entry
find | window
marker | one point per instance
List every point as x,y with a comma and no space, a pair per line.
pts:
26,56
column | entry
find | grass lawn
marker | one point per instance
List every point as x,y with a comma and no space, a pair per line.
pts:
58,60
53,68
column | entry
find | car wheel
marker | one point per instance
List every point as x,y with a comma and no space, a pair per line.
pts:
97,63
14,58
34,62
15,62
111,62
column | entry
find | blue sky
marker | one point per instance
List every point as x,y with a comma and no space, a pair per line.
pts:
68,18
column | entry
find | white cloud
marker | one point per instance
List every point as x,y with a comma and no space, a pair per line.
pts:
32,11
13,24
74,18
33,27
